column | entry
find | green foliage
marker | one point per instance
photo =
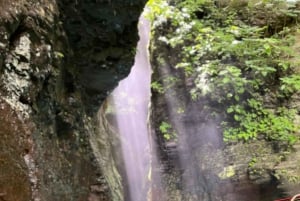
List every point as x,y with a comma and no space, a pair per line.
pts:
156,86
290,84
256,120
252,162
58,54
234,63
164,84
169,82
158,7
167,131
193,6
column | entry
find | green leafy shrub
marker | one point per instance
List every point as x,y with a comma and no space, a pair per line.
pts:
167,131
236,61
156,86
290,84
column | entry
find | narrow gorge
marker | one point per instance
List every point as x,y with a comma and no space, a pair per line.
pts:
189,101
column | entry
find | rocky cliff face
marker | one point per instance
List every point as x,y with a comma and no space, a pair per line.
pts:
58,62
256,170
198,165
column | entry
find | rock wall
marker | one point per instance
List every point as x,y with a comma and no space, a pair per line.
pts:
58,62
255,170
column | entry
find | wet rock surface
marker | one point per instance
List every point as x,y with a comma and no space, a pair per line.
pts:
14,146
58,62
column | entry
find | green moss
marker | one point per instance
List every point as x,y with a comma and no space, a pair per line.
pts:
227,172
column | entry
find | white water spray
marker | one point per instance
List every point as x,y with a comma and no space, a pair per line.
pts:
131,100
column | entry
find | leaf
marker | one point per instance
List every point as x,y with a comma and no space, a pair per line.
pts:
230,110
267,49
167,136
225,80
236,97
59,54
241,90
236,117
229,95
264,73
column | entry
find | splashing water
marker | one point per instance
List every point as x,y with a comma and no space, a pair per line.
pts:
131,100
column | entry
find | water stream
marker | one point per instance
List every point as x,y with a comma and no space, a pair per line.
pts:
131,101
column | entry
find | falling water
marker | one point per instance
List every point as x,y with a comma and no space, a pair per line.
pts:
131,100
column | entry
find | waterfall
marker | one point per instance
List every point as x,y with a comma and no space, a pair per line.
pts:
131,101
